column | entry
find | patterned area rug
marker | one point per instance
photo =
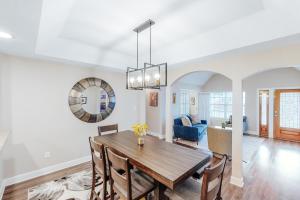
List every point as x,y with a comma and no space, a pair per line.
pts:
73,187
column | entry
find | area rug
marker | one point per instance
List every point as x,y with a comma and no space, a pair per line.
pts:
73,187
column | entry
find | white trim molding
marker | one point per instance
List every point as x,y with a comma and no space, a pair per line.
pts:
237,181
41,172
2,188
252,132
159,135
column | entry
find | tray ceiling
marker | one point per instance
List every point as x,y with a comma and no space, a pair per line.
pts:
99,32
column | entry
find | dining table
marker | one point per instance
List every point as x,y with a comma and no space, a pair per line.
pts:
167,163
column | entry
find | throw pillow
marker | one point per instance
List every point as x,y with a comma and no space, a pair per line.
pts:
186,121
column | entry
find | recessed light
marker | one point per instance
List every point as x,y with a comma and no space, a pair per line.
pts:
5,35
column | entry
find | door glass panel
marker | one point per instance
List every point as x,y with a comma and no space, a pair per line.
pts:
290,110
264,104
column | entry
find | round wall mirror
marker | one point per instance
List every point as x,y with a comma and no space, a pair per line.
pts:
92,100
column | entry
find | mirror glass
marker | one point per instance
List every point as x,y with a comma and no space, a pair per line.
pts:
94,100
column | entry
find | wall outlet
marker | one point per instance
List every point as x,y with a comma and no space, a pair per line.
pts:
47,154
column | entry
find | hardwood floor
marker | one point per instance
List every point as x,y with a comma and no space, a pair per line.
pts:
273,173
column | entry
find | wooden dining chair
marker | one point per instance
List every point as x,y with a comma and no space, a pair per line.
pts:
99,167
128,184
111,128
211,185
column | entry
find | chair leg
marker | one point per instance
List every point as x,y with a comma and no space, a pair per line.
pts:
93,185
104,190
112,193
219,198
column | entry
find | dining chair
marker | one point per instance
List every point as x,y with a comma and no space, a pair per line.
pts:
128,184
99,167
111,128
209,189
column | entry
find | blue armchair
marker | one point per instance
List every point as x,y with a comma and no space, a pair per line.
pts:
191,133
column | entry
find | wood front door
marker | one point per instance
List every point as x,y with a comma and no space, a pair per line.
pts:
287,114
264,113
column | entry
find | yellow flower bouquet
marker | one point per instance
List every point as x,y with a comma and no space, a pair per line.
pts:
140,130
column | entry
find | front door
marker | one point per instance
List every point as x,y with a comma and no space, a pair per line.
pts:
264,113
287,114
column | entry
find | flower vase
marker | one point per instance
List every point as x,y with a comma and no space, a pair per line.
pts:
141,141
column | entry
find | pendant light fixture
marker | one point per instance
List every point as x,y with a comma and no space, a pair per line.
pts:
151,76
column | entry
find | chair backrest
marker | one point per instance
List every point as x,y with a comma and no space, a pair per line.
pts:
98,159
113,127
212,181
120,177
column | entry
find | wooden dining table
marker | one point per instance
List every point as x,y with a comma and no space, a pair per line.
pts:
167,163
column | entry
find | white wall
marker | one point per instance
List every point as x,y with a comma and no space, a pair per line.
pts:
277,78
155,116
236,65
176,87
217,83
41,120
5,100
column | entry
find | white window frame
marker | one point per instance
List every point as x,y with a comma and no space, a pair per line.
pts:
227,107
184,102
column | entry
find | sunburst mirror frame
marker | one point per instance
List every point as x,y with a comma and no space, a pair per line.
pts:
75,102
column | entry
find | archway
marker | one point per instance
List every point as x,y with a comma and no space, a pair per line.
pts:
236,89
236,66
272,107
193,93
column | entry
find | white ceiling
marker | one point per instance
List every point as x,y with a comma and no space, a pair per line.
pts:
196,78
99,32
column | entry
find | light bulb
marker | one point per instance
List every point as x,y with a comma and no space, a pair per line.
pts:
156,76
131,80
139,79
147,78
5,35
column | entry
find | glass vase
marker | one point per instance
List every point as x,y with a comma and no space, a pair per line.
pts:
141,141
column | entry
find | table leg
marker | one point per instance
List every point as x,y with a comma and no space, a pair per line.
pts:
159,192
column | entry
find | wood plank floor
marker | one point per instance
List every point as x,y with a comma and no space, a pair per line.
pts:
272,174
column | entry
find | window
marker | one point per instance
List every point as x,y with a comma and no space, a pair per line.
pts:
289,110
220,104
184,102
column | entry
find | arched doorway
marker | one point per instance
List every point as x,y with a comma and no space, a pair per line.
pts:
272,107
206,99
237,125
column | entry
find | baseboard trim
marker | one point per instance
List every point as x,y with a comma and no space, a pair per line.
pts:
160,136
252,132
41,172
237,181
2,188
